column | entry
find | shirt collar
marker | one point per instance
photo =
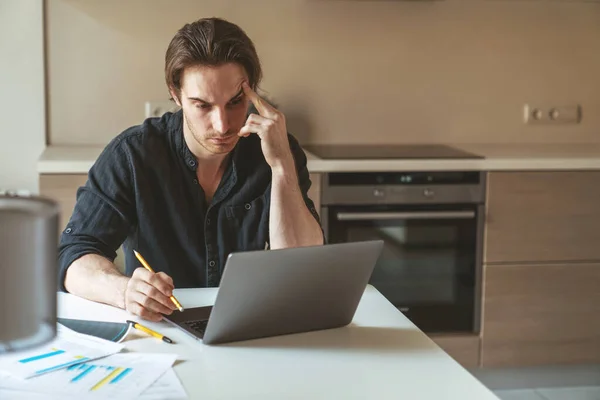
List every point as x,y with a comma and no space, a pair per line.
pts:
175,126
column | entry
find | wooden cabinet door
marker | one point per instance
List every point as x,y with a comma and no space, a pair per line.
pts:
463,348
541,314
62,188
542,216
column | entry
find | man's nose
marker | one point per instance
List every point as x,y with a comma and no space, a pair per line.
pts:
220,121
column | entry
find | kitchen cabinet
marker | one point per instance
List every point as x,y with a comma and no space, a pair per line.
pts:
464,349
541,300
536,314
542,216
62,188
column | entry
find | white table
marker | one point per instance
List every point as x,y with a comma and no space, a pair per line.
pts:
381,355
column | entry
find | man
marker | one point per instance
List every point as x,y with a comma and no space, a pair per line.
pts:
187,189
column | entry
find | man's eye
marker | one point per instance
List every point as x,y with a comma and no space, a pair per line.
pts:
235,102
203,106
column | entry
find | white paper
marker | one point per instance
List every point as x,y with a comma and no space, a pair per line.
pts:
67,349
119,376
167,387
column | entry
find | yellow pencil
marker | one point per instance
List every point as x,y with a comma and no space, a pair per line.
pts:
147,266
149,331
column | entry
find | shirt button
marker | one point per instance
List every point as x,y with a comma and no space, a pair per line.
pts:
68,230
207,221
192,163
195,181
211,263
248,206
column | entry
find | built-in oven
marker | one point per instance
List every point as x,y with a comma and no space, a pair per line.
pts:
432,227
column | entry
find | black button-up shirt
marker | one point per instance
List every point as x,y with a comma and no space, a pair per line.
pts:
142,192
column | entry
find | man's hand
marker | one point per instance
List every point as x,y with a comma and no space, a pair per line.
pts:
270,127
147,294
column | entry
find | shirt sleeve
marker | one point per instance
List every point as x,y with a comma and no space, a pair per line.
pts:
104,212
304,178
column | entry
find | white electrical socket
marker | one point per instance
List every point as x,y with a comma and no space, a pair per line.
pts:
158,108
548,114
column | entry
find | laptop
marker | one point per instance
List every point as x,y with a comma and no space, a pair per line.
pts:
268,293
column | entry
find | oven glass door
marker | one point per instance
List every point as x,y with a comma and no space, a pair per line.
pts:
427,267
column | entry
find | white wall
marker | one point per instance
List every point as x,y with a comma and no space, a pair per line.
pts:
22,94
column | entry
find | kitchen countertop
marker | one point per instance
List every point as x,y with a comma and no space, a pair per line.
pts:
497,157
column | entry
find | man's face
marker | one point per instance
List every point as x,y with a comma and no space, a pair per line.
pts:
214,105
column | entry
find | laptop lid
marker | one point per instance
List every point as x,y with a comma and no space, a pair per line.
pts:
284,291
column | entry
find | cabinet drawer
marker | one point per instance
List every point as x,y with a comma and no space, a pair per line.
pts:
542,216
541,314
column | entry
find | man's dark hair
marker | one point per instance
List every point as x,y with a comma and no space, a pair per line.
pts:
210,42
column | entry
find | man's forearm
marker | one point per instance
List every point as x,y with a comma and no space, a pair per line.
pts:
95,278
291,224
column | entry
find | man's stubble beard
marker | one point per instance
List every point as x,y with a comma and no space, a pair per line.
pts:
204,142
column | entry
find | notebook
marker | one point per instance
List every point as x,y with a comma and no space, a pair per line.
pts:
113,331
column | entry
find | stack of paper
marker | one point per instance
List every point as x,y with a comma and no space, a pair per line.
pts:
81,366
67,349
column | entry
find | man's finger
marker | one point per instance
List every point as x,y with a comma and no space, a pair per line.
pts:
251,128
258,120
137,309
166,278
154,293
262,106
142,274
149,303
161,282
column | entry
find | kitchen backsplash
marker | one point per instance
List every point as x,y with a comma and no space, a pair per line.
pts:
454,71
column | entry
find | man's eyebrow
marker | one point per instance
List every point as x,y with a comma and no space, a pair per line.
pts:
237,96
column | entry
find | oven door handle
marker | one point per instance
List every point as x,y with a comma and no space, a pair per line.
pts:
378,216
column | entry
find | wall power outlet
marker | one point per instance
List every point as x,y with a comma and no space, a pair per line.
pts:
550,114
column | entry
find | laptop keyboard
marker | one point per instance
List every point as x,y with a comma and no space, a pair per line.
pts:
197,326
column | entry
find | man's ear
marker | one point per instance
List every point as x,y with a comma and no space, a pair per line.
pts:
175,96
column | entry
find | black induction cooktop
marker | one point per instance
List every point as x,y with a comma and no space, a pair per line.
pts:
410,151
